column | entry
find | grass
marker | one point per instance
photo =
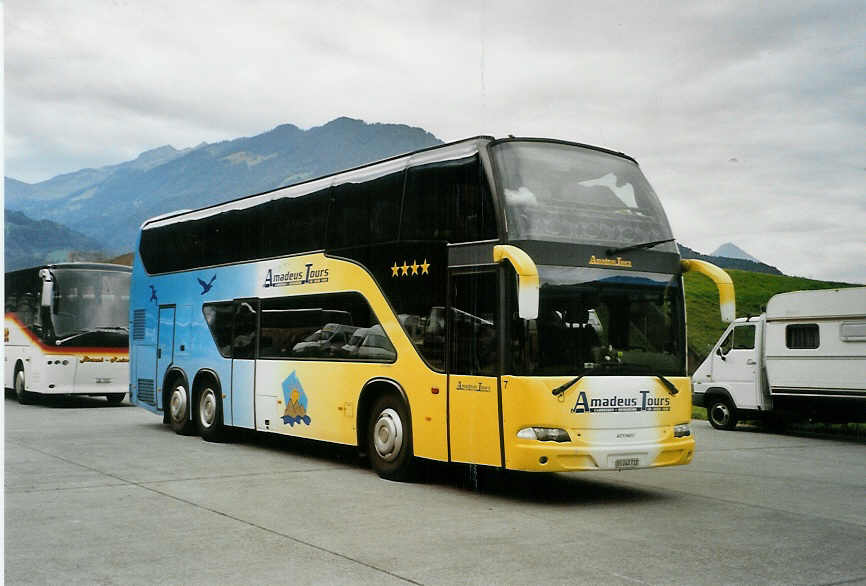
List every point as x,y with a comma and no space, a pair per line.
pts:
752,291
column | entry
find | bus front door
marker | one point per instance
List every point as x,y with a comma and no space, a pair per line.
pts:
473,364
164,348
244,328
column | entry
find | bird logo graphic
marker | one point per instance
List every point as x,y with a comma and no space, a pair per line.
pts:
205,287
153,294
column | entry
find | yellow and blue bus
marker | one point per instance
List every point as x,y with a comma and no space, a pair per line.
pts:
514,303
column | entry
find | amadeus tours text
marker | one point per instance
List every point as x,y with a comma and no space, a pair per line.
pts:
586,404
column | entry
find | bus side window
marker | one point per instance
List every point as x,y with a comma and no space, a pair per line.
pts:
365,213
219,321
244,333
445,201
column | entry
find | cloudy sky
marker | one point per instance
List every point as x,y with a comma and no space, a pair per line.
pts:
747,117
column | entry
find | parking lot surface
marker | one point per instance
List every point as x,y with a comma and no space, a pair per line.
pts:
98,494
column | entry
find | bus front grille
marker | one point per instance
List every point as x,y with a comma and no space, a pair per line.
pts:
145,391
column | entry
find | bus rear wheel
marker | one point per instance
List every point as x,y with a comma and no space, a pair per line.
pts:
209,415
389,439
115,398
178,409
721,413
24,397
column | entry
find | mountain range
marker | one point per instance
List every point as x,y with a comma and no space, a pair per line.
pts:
110,203
98,212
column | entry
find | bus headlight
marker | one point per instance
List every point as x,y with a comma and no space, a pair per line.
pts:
544,434
682,430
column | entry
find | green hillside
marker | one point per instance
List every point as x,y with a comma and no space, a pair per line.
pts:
753,290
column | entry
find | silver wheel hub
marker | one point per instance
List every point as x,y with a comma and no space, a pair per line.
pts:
177,404
720,413
207,408
388,435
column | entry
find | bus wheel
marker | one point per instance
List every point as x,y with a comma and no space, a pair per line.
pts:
209,415
389,439
721,413
115,398
178,409
24,397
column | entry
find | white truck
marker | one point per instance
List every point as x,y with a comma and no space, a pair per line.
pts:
805,357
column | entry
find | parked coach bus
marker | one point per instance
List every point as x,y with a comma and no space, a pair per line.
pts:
515,303
66,331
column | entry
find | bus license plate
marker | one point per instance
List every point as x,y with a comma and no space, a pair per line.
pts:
621,462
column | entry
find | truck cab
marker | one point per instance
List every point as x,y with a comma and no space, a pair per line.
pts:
731,381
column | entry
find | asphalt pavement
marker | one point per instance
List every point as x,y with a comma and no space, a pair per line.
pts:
100,494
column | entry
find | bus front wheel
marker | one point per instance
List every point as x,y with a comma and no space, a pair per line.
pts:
24,397
115,398
389,438
178,409
209,416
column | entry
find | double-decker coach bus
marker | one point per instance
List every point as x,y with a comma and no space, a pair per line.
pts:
515,303
66,331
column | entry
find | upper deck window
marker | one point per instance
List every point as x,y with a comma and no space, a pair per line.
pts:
566,193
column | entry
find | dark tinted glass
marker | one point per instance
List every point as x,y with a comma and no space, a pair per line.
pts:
274,228
601,322
293,225
473,324
447,201
244,341
329,326
366,213
744,337
219,320
23,294
802,336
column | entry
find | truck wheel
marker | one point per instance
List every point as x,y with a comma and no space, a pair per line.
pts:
389,438
24,397
721,413
178,409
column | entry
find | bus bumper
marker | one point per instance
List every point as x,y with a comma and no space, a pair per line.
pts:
538,456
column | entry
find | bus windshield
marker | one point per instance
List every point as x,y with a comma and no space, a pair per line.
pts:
602,322
88,300
566,193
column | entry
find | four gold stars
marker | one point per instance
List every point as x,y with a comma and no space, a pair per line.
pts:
404,269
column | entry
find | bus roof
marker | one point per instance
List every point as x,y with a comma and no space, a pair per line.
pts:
439,153
90,266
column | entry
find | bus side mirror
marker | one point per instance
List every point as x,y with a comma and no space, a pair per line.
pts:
527,278
47,287
723,282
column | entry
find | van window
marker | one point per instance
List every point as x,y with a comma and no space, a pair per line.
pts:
853,331
802,336
744,337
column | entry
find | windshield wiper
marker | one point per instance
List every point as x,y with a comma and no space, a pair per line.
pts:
638,246
670,386
83,331
564,387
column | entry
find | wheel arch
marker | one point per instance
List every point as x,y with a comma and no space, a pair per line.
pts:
372,390
714,392
171,374
200,379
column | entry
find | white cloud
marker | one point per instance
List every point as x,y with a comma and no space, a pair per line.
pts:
685,88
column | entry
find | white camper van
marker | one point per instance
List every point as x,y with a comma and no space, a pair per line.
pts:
805,356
